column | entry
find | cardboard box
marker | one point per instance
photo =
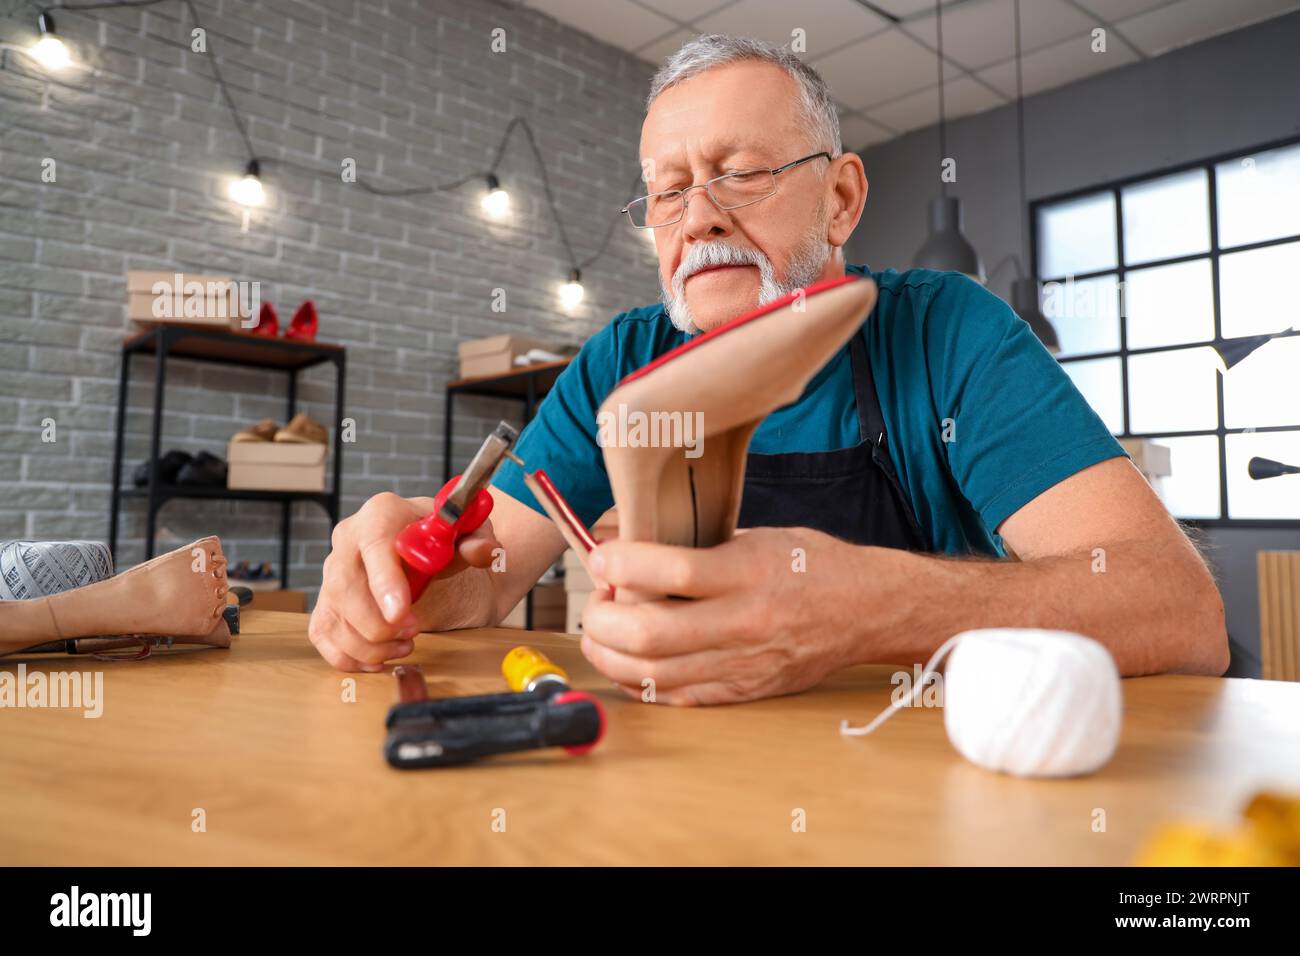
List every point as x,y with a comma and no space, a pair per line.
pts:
548,609
275,466
278,600
577,600
188,298
495,355
578,584
1150,458
576,577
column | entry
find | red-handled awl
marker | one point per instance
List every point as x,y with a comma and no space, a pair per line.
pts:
428,545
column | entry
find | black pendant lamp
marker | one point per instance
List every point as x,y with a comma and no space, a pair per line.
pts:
1261,468
1233,351
946,248
1024,300
1024,290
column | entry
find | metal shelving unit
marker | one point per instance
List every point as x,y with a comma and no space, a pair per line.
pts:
527,384
173,340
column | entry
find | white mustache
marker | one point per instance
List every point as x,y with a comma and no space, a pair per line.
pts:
803,269
709,255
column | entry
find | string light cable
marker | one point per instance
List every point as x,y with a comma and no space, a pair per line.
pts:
52,53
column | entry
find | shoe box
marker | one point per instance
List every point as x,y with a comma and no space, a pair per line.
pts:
276,466
495,355
185,298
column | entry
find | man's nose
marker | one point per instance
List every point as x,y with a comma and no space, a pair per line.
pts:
703,219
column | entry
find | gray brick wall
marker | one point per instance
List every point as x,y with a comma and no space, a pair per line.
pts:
144,150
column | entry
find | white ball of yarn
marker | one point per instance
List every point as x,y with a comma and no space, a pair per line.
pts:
1034,703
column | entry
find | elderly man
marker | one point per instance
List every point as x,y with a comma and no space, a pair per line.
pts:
1031,517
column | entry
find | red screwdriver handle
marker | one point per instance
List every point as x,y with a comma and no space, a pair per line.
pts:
428,545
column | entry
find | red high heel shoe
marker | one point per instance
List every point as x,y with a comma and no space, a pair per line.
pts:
304,323
268,323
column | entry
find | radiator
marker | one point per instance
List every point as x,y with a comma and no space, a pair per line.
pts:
1279,614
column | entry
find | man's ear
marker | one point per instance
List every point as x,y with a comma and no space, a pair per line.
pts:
847,184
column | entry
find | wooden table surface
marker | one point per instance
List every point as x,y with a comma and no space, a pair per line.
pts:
286,772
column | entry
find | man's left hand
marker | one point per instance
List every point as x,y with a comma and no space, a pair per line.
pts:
769,612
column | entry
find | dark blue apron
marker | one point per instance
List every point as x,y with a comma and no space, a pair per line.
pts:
851,493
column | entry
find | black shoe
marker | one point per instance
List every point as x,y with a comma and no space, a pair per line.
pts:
169,465
205,471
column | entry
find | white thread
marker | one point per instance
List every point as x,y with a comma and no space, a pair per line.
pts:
1023,701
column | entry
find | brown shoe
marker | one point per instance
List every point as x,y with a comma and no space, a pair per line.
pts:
304,431
263,431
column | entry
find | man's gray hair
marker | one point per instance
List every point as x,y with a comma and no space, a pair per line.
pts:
717,49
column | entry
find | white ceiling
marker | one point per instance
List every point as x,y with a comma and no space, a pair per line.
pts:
880,56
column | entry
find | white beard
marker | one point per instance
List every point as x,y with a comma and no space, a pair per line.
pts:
805,266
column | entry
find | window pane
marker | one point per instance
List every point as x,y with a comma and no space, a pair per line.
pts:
1259,197
1077,236
1251,290
1262,390
1085,314
1166,217
1191,490
1169,305
1272,497
1099,381
1173,391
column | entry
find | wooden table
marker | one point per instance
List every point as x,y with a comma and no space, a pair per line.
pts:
260,738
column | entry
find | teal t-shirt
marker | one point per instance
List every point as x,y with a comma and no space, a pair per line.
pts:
981,418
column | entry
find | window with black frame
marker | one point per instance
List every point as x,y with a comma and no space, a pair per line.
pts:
1175,299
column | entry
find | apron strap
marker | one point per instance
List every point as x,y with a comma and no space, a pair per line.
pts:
871,421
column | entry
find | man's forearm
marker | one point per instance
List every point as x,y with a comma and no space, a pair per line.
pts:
476,597
462,600
1152,604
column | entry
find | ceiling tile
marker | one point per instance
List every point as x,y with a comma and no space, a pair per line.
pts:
685,10
1166,28
962,97
617,22
906,8
911,112
857,133
1058,65
977,35
879,69
827,24
664,47
1113,10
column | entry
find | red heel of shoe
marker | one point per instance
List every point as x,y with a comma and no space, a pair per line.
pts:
268,323
304,324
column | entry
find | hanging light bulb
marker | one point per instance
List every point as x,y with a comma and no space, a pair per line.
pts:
50,51
248,190
496,201
571,292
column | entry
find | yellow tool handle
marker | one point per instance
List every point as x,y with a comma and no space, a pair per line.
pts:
524,668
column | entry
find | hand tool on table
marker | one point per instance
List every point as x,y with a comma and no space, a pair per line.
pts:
460,507
543,712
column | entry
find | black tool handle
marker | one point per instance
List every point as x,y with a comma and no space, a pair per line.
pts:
446,741
506,702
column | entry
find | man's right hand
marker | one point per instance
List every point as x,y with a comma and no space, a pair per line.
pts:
363,616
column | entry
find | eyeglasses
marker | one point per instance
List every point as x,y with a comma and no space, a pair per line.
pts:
731,191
